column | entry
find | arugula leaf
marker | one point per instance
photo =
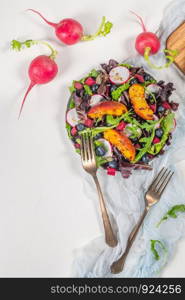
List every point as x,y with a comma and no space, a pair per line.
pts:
166,124
148,143
78,141
152,94
149,125
72,88
96,130
134,130
126,65
93,73
172,213
87,90
116,120
102,160
68,127
71,104
146,83
112,121
116,94
153,248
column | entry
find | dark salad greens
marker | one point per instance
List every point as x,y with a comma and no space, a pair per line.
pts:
129,113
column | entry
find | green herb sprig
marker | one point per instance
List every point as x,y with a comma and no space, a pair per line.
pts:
153,244
172,213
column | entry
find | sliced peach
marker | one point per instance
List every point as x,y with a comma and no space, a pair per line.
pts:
107,108
141,107
121,142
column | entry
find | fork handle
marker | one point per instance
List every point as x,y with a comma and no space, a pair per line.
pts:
118,265
109,234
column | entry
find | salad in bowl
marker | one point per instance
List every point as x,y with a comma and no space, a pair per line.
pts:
129,113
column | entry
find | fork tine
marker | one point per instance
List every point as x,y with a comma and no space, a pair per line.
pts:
92,149
89,148
86,146
82,148
157,178
163,178
165,182
84,143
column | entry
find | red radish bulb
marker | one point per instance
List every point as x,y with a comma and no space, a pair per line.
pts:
70,31
146,39
41,70
147,43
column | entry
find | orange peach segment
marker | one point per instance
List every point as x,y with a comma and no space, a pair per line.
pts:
107,108
141,107
121,142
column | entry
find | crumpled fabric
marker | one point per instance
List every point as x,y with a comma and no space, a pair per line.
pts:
125,197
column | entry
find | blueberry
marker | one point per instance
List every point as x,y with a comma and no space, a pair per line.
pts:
145,158
113,88
78,93
150,97
134,140
113,164
80,127
159,132
133,81
100,151
94,88
160,109
98,136
148,77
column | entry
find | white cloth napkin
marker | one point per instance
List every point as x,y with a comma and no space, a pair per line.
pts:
124,197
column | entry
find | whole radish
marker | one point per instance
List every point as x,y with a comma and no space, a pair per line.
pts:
147,43
42,68
70,31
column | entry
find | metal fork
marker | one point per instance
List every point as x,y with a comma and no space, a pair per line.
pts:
152,196
90,166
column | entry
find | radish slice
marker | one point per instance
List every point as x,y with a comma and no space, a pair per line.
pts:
107,146
72,117
119,75
152,88
157,125
95,99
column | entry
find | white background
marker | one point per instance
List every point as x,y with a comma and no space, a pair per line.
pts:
44,214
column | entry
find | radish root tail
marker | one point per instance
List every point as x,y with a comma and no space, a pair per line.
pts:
27,92
140,20
38,13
